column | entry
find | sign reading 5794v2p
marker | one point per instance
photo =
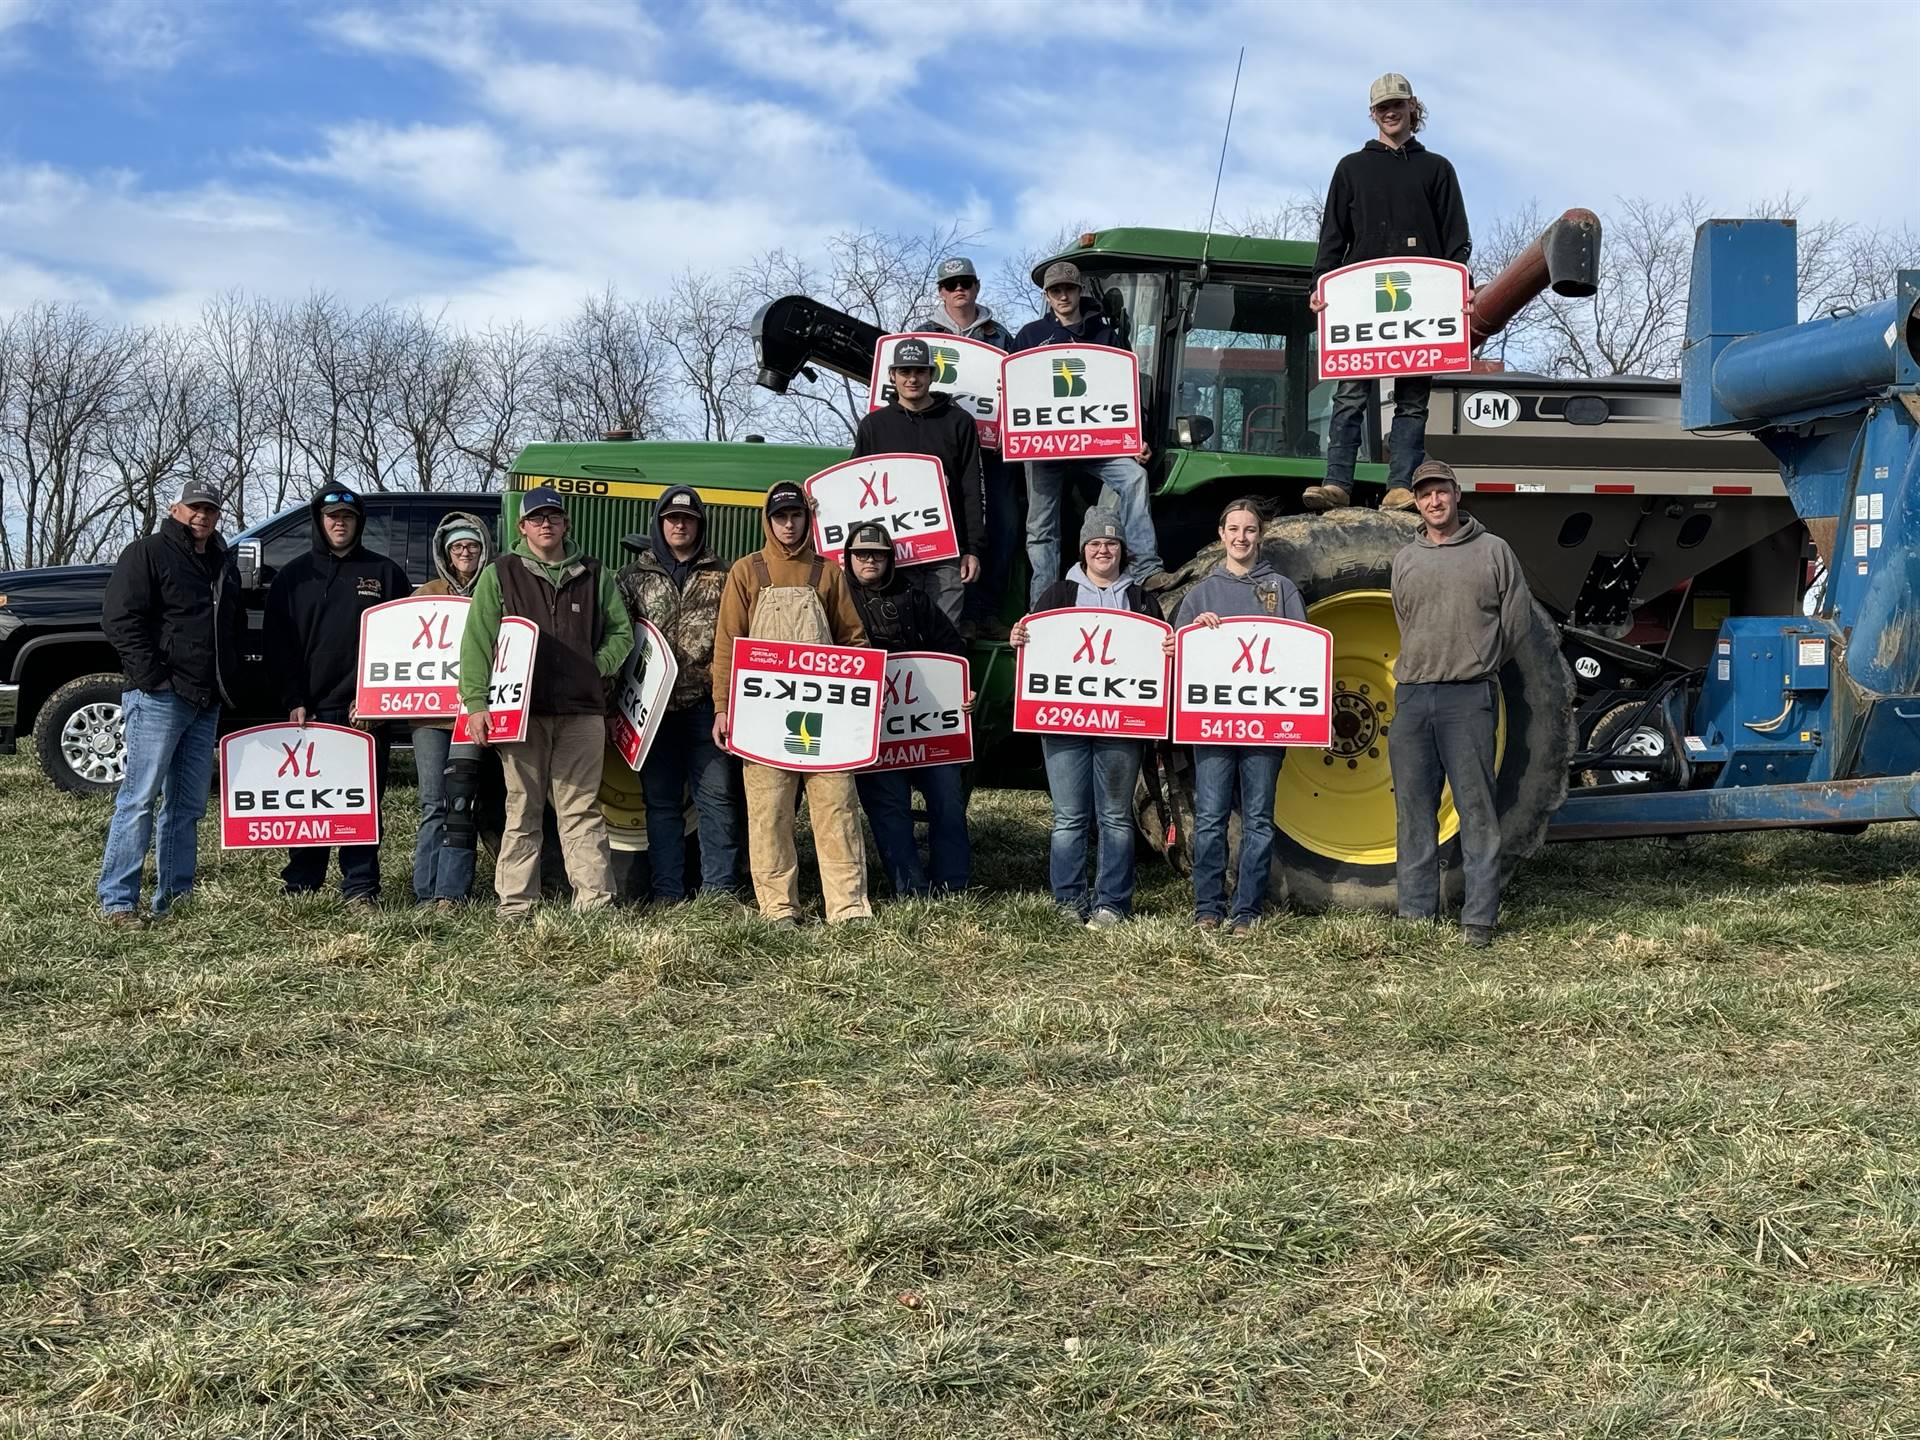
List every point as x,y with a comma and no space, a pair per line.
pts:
1070,402
1085,671
1405,316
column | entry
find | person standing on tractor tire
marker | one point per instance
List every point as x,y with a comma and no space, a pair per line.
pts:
1391,197
173,616
897,616
919,420
1463,607
1241,584
675,582
584,639
312,639
1073,319
785,591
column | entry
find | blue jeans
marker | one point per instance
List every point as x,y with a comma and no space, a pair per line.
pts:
887,797
306,867
1091,782
985,595
1217,771
438,872
170,759
1443,734
1127,483
1406,441
683,750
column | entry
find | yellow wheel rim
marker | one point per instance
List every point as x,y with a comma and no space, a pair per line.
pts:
1338,802
622,803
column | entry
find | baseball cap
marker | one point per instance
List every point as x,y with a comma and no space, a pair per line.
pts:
464,532
870,537
786,496
1389,86
1061,272
911,355
678,501
959,267
541,497
1433,470
201,492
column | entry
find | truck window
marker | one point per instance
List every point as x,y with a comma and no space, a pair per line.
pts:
297,538
1246,367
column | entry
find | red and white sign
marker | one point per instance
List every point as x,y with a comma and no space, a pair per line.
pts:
639,702
905,493
1085,671
410,658
1070,402
966,370
509,686
805,707
287,786
1405,316
923,713
1257,680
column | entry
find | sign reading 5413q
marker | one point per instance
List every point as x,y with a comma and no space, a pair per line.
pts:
1404,316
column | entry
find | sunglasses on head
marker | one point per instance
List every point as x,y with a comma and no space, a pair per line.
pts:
340,497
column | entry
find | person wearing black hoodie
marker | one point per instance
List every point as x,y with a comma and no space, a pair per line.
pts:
1393,196
898,616
313,640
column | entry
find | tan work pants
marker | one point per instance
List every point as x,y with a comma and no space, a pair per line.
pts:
773,852
561,759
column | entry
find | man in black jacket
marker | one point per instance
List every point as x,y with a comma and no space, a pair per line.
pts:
173,617
313,640
1391,197
921,421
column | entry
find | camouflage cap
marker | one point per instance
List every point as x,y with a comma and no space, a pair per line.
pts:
1061,272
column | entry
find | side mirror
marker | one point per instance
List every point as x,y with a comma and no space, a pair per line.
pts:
1191,432
246,559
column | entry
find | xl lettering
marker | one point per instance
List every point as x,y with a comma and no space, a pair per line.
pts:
1245,661
290,763
427,636
1087,651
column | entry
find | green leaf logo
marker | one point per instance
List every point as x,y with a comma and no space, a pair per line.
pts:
1069,377
803,732
1392,290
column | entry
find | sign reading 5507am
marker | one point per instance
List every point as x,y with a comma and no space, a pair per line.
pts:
1404,316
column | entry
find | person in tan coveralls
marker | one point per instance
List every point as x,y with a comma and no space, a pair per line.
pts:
785,591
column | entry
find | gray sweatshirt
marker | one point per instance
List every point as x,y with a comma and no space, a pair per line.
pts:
1263,590
1111,597
1462,604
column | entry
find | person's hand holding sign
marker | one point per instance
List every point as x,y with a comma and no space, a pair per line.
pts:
720,730
1017,636
477,726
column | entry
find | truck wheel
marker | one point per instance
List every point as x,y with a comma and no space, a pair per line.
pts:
79,735
1333,811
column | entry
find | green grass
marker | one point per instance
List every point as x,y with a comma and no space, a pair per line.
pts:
1650,1167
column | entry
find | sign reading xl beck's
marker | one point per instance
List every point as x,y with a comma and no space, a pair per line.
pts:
1086,671
1070,402
1256,680
1405,316
293,785
905,493
805,707
923,715
640,698
966,370
509,684
410,657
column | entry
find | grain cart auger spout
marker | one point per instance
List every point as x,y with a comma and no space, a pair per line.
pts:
1797,720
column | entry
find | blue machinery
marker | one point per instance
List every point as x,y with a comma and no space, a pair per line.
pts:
1798,721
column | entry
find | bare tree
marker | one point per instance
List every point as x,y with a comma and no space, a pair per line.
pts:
495,408
234,335
422,389
602,372
164,432
703,324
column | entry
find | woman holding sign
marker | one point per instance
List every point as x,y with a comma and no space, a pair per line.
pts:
443,874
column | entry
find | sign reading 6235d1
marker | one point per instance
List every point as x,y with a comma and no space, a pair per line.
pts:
1070,402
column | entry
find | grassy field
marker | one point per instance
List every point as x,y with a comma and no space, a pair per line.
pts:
1650,1167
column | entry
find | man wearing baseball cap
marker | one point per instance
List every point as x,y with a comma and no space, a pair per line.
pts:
1463,607
584,639
959,311
1391,197
1074,318
174,618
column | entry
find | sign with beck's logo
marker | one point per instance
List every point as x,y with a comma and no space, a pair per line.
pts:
293,785
805,707
1093,672
410,658
1254,681
905,493
1405,316
966,370
509,687
923,714
646,683
1070,402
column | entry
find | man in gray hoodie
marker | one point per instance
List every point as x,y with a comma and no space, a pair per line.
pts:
1241,584
1463,605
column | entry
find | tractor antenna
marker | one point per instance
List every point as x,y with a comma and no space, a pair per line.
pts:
1200,276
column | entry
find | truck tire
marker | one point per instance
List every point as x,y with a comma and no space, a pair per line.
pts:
1333,812
79,735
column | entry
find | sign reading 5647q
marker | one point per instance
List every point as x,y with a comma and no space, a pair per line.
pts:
1405,316
410,657
1070,402
1085,671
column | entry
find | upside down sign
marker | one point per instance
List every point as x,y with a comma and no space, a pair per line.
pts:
1086,671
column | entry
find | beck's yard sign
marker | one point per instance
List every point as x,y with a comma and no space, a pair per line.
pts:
293,785
1093,672
410,658
967,370
805,707
640,699
509,687
1254,681
905,493
1070,402
923,714
1405,316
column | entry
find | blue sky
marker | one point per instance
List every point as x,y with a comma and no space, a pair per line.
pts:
503,159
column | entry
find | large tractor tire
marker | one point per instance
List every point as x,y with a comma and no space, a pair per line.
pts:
1333,811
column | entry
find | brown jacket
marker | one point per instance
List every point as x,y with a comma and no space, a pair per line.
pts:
784,566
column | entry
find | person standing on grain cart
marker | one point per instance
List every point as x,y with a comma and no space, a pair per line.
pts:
1391,197
312,639
676,582
919,420
1073,318
1091,778
174,619
1463,607
785,591
584,639
899,617
1241,584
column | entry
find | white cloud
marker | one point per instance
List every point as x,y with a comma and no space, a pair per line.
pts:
130,35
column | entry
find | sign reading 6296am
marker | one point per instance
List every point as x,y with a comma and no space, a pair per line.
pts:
1404,316
1085,671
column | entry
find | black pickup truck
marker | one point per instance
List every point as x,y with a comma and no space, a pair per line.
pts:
60,682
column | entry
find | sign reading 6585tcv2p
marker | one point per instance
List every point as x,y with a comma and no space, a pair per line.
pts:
1070,402
1093,672
805,707
1405,316
292,785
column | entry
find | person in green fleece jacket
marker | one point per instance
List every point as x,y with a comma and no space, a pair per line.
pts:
584,639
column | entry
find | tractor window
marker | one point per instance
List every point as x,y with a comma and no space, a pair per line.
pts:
1246,373
1134,301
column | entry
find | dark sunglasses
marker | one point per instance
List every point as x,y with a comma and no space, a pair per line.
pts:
968,283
